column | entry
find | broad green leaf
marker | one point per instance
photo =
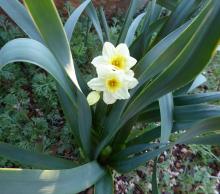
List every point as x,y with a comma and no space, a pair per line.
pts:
204,126
183,125
184,113
196,98
166,114
189,87
179,16
207,125
69,29
31,51
73,19
132,29
20,16
129,18
146,137
105,185
131,150
67,181
39,55
69,111
156,13
169,4
150,115
33,159
195,112
154,28
84,123
105,24
91,12
161,55
205,140
124,166
180,70
200,79
43,13
145,42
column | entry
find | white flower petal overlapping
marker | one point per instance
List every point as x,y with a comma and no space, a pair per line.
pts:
115,76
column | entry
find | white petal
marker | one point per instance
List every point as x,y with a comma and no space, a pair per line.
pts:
100,60
122,94
104,70
123,49
131,62
96,84
108,50
93,98
132,82
130,73
108,98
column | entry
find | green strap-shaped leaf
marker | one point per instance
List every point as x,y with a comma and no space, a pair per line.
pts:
200,79
181,14
28,50
105,24
44,13
84,124
20,16
154,179
149,19
184,113
35,160
196,98
73,19
146,137
166,114
169,4
206,140
67,181
207,125
195,112
91,12
105,185
132,29
135,149
160,56
69,111
129,18
69,29
154,28
180,71
124,166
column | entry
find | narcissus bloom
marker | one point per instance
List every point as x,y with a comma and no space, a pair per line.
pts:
113,83
119,57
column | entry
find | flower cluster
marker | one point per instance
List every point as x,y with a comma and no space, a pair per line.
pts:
115,76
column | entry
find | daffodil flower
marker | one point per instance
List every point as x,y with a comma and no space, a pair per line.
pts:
119,57
113,83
